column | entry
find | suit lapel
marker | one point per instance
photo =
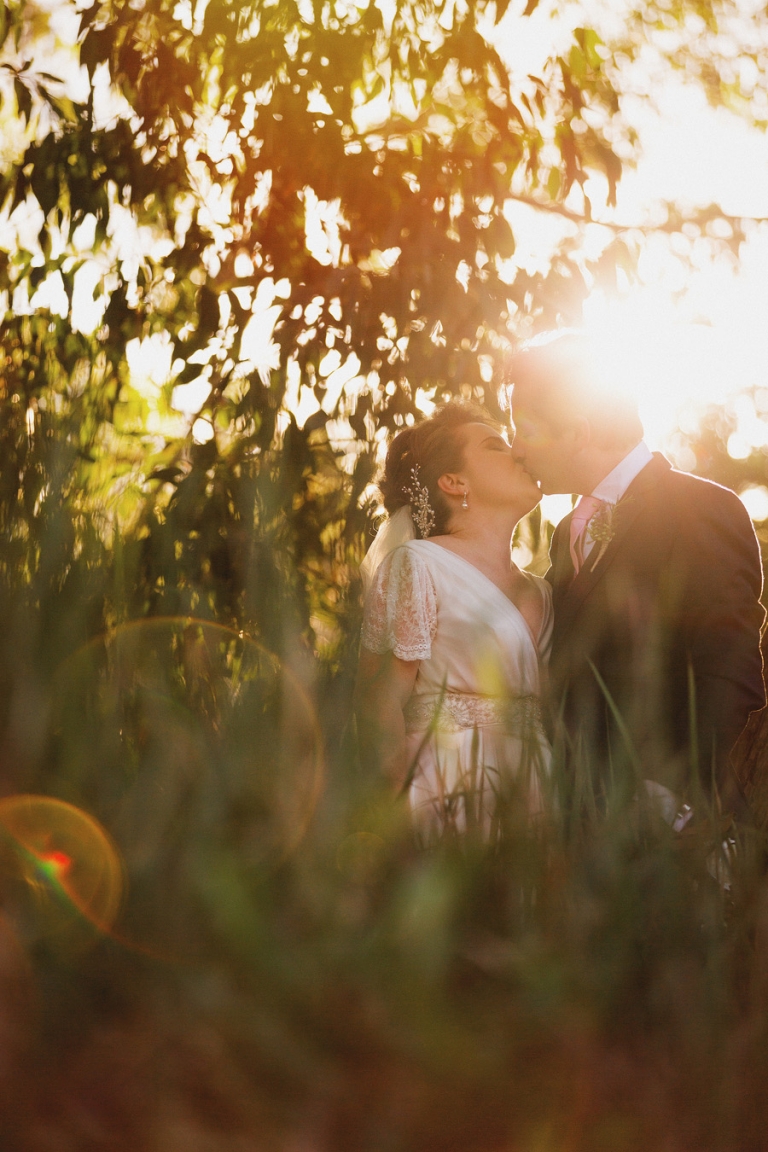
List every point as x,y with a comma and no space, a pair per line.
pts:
561,572
593,571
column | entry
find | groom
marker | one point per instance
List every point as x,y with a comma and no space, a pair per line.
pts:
656,580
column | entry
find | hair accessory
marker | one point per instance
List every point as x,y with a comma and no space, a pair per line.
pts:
465,502
421,509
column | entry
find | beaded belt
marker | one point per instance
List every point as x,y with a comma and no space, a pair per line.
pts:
457,711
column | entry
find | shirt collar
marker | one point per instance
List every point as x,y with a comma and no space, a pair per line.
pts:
613,486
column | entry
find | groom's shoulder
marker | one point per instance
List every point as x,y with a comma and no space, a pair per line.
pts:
699,490
699,506
684,507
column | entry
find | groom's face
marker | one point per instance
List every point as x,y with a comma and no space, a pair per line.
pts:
547,455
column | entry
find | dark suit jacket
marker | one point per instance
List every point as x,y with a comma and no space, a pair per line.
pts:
668,617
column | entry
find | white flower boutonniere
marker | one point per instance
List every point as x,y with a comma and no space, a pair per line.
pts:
603,526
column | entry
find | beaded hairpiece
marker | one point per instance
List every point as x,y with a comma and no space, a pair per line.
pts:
421,509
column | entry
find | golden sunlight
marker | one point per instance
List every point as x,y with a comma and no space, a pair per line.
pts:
676,366
690,332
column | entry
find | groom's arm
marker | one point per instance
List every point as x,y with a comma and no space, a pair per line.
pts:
722,618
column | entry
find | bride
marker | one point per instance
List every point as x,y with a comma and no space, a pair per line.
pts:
455,636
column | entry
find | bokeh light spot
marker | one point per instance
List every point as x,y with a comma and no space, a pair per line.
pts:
755,500
738,447
202,431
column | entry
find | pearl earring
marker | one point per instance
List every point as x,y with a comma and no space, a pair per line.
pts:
465,502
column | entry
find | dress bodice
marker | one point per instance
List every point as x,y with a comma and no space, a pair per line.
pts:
429,604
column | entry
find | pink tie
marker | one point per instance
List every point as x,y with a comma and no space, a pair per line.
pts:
583,513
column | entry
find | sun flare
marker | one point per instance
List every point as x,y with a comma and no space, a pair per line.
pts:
675,364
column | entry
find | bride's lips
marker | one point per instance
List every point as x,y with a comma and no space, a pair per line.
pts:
523,468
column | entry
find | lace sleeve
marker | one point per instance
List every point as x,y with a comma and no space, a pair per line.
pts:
401,608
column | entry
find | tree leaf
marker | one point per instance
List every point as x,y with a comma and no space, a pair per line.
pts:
23,98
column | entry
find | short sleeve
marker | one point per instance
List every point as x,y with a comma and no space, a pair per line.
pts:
401,608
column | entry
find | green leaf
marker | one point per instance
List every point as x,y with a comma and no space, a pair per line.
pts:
23,98
589,41
96,48
87,17
500,238
577,63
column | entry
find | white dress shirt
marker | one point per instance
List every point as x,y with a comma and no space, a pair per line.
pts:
613,486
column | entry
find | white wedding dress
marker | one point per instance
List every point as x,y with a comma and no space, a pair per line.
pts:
473,722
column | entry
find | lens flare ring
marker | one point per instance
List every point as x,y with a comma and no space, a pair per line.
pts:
65,855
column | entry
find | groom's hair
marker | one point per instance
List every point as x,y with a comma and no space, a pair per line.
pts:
558,377
433,446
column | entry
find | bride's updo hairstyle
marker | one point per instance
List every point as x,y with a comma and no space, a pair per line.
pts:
434,446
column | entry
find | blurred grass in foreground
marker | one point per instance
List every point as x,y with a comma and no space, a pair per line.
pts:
287,972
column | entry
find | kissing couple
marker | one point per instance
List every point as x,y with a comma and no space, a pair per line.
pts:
639,652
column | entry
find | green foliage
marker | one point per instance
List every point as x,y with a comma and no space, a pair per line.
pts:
348,165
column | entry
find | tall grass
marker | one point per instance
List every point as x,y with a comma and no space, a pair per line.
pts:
290,972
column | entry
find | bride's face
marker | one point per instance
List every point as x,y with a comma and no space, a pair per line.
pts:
492,475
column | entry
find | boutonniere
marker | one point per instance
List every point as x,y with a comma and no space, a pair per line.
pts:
604,524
